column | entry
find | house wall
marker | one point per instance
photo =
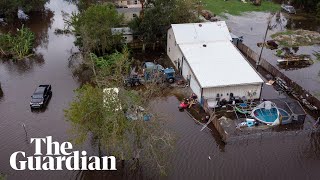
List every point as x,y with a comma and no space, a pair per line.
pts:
238,90
128,16
129,3
173,50
188,74
134,3
128,38
122,3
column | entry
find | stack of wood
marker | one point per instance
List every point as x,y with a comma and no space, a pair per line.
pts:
256,2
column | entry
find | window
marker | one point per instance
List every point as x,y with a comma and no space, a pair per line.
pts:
175,43
169,50
169,36
134,15
135,2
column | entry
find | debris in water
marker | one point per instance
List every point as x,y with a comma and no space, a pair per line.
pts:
22,15
297,38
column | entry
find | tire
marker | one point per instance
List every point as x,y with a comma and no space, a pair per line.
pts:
171,80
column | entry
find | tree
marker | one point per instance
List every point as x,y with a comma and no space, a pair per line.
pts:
85,4
136,141
308,5
318,10
9,8
93,28
19,45
159,15
257,2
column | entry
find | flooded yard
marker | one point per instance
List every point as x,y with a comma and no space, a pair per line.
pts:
252,26
198,155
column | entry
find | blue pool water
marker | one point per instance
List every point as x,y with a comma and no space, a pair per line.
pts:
285,115
268,116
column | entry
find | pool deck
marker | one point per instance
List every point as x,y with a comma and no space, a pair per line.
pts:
227,122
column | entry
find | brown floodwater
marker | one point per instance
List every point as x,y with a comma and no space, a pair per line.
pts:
283,155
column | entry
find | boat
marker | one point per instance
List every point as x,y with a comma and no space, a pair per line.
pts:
268,113
295,59
289,9
244,108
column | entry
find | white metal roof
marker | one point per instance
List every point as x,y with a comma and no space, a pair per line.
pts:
201,32
219,64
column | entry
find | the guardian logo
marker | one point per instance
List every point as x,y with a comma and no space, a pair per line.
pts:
59,157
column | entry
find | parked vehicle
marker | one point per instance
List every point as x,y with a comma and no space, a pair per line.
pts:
41,96
133,80
150,66
169,74
289,9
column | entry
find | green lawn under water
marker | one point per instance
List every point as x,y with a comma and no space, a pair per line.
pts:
236,7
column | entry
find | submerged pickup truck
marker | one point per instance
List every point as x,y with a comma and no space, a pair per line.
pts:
41,96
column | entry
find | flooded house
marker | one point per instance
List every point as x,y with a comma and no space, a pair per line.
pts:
126,33
129,13
128,3
203,53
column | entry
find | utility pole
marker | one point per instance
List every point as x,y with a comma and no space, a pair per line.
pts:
199,7
264,41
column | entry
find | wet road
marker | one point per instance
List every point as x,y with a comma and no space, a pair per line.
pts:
294,155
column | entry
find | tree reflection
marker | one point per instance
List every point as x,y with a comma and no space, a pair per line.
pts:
22,66
40,23
1,92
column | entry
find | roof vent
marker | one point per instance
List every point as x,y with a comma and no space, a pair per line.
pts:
204,45
200,25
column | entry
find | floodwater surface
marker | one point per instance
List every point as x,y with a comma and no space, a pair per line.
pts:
198,155
252,26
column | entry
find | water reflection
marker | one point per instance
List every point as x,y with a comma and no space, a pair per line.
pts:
1,92
39,23
313,149
22,66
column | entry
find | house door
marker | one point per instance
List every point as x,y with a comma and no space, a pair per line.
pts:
179,67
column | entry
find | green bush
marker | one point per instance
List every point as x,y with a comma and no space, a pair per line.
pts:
19,45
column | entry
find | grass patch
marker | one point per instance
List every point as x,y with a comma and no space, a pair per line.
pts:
288,32
236,7
295,38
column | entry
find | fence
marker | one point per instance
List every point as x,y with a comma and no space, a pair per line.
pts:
215,121
277,73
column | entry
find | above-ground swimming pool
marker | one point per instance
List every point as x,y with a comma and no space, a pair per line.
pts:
269,116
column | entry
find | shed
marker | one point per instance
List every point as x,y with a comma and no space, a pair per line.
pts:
214,68
126,33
